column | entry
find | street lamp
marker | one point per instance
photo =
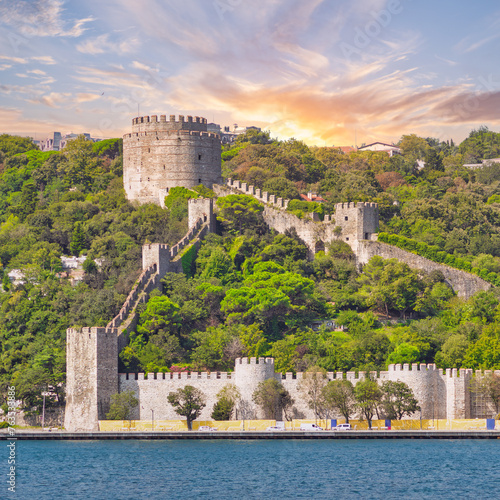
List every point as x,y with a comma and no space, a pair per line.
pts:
43,410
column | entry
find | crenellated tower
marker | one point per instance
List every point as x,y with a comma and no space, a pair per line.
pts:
161,154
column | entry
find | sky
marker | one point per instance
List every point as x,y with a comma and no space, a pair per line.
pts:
329,72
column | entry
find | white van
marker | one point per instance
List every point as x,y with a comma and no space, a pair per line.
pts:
343,427
310,427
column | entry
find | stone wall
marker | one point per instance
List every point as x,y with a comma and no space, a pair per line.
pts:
351,223
160,154
92,353
463,283
441,394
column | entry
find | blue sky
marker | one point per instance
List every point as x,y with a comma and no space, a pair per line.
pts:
318,70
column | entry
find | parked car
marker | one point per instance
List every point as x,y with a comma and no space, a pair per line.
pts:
310,427
343,427
274,428
206,428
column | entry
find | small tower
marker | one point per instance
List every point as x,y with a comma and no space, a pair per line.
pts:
91,376
201,208
359,221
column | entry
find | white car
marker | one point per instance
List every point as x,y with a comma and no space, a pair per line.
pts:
274,428
310,427
343,427
206,428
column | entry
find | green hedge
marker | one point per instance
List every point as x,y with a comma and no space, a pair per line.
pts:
433,252
306,207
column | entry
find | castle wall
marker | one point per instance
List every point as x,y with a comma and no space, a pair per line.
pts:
440,395
153,390
463,283
92,353
159,155
351,223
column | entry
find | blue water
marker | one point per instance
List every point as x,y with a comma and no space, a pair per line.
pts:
366,469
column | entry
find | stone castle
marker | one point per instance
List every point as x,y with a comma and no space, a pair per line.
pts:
161,154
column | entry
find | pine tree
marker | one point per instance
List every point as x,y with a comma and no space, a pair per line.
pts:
77,239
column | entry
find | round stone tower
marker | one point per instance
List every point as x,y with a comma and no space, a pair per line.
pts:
248,373
160,154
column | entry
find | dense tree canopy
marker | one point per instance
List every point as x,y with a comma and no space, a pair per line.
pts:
250,292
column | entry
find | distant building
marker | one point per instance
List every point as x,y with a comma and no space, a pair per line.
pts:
312,197
228,136
390,149
483,163
58,142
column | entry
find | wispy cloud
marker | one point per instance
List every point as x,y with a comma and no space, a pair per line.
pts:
103,44
41,18
44,59
17,60
52,100
86,97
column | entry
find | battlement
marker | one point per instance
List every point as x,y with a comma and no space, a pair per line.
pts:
176,376
254,361
414,367
358,204
155,122
92,330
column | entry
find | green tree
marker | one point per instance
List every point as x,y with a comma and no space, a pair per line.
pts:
368,395
223,409
404,353
398,400
227,400
282,188
78,239
238,211
311,386
483,354
187,402
122,404
414,147
488,385
160,317
338,395
272,398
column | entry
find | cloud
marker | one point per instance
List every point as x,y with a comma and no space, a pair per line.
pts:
5,66
12,121
38,72
102,44
52,100
85,97
17,60
44,59
40,18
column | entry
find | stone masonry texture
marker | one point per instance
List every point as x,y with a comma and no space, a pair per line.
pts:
160,154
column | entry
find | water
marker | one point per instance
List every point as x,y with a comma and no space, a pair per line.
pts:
344,469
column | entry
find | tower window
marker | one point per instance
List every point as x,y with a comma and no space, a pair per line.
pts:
347,239
199,157
346,218
199,181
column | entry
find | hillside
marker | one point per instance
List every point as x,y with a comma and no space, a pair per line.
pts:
251,292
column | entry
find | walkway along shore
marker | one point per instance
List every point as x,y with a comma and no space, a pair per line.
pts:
390,434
